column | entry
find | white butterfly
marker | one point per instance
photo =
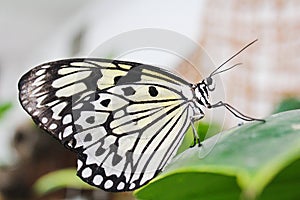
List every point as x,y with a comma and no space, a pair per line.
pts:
125,120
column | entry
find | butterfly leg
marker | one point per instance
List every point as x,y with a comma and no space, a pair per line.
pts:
235,112
195,133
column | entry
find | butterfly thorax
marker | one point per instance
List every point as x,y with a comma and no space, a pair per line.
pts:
201,93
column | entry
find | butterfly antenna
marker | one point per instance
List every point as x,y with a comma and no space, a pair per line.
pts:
237,53
224,70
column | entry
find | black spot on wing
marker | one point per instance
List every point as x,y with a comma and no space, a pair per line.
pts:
133,75
116,159
128,91
105,102
99,151
88,138
90,120
153,91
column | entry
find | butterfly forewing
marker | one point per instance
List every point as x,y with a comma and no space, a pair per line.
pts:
125,120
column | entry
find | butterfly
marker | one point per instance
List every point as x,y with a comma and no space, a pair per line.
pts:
125,120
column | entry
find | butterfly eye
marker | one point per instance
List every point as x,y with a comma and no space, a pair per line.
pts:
209,81
210,84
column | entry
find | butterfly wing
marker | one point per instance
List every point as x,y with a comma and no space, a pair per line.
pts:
125,120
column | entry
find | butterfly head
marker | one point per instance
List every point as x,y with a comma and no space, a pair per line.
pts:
207,85
210,83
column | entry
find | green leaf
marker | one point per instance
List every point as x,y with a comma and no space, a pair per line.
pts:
64,178
206,130
287,104
236,164
285,185
4,108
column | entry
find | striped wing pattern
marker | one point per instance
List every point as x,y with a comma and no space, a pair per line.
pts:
125,120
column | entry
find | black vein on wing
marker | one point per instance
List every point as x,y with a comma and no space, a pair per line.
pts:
157,133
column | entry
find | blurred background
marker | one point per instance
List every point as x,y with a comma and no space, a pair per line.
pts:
190,37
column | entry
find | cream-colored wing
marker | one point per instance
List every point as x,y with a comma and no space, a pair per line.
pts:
125,120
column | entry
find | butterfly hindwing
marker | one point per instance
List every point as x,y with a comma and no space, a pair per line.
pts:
141,133
125,120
